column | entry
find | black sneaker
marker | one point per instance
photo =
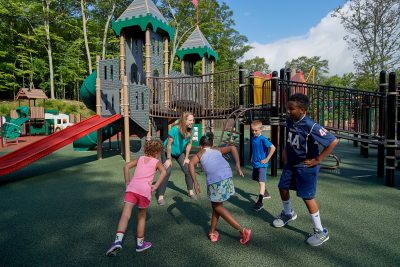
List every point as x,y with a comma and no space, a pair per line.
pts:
258,206
266,195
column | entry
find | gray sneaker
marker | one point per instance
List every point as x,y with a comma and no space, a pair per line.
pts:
318,237
284,218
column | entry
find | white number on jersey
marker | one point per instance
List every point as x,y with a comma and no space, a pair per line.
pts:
322,132
293,141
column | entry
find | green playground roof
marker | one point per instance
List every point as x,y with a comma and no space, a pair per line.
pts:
196,44
142,13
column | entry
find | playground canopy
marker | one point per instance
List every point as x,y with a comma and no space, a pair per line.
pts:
31,94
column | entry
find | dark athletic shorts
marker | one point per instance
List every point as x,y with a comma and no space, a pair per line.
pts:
259,174
301,179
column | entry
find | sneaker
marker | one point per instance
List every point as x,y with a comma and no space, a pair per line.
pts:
213,236
283,219
143,247
115,248
266,195
245,235
318,237
161,202
258,206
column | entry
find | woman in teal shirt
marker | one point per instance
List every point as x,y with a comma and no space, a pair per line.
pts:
178,146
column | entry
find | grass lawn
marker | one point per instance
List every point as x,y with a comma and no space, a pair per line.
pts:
63,211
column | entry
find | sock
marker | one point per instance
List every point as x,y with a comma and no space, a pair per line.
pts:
119,236
287,207
317,220
139,241
260,198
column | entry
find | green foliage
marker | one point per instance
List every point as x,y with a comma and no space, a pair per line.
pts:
63,106
348,80
256,64
215,22
305,64
373,32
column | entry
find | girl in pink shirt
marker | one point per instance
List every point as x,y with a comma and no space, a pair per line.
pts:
138,192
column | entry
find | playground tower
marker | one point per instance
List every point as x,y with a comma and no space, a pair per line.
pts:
196,48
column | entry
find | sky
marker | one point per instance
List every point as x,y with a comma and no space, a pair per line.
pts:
282,30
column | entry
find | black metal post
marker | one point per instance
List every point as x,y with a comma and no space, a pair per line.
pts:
274,121
288,78
241,126
382,119
365,125
390,136
282,116
241,86
398,131
164,129
251,104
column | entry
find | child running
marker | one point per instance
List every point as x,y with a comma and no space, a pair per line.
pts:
263,150
138,192
302,159
219,183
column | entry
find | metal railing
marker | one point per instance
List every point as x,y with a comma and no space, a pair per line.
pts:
350,113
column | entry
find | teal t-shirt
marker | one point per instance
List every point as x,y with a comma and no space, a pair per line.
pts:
179,144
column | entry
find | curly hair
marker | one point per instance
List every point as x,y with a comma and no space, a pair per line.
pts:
207,140
301,99
152,148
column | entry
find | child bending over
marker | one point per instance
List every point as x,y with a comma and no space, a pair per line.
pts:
138,192
219,183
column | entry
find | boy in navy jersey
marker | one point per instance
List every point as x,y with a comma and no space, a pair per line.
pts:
302,159
263,150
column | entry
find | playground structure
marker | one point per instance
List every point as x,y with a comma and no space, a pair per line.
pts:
137,95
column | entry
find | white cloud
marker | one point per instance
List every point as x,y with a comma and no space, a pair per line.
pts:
324,40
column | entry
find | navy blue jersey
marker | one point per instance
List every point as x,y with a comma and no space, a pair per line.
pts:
302,139
260,145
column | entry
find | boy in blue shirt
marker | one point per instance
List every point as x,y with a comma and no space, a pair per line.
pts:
302,159
263,150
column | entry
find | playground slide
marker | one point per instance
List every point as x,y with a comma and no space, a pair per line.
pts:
12,129
30,153
88,96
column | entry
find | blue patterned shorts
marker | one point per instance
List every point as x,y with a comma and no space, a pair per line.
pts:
221,191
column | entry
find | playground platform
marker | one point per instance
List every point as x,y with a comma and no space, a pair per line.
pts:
63,210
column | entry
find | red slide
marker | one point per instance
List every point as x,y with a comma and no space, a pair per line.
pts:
30,153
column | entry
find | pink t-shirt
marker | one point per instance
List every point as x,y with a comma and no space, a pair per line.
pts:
143,176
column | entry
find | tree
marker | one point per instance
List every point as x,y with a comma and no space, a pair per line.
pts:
373,31
347,80
215,22
46,21
306,63
256,64
85,19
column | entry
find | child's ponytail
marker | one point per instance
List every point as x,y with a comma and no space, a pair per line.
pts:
207,139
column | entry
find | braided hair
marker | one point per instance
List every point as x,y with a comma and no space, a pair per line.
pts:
207,140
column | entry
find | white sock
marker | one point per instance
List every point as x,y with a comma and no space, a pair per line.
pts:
287,207
119,236
317,221
139,241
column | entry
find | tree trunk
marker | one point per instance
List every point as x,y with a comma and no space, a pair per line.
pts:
46,9
103,54
84,20
173,51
